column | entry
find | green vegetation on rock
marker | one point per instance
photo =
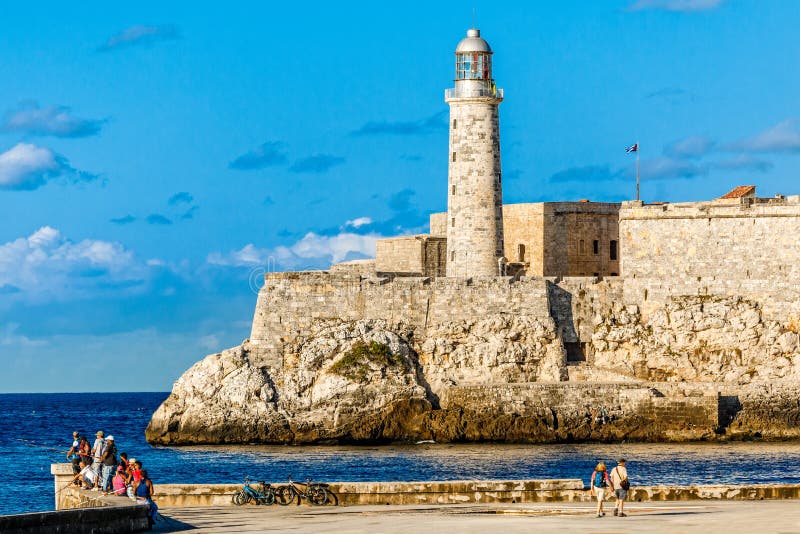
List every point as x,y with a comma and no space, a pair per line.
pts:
362,357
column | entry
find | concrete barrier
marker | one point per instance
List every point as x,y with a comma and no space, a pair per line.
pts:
442,492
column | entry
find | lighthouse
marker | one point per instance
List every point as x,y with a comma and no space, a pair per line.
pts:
474,178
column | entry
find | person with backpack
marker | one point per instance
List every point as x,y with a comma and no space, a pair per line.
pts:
599,481
619,480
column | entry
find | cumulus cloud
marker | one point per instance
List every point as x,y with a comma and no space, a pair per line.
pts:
313,251
690,147
57,121
27,167
318,163
268,154
783,137
183,197
588,173
140,35
358,222
434,123
46,265
676,5
158,219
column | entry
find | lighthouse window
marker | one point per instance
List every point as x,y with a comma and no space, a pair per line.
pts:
454,156
454,190
454,124
473,66
453,222
453,256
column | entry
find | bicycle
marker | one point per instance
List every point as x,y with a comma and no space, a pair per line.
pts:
264,495
316,493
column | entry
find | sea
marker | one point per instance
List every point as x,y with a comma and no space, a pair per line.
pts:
38,430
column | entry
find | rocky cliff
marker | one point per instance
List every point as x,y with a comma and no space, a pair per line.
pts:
436,367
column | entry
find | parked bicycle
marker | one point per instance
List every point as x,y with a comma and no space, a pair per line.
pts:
262,495
316,493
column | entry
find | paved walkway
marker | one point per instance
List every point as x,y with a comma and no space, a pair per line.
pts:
759,517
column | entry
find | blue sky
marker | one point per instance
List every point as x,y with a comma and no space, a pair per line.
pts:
156,159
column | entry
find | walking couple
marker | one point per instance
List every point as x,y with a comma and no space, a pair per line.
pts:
617,481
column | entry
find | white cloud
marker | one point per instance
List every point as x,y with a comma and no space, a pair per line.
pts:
312,251
359,222
46,265
676,5
57,121
783,137
26,167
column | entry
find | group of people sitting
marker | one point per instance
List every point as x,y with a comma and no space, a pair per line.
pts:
99,468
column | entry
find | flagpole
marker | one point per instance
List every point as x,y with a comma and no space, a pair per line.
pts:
637,170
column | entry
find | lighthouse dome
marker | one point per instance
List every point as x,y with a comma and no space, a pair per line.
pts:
473,42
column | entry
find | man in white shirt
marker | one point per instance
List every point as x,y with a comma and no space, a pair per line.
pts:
98,449
87,477
619,481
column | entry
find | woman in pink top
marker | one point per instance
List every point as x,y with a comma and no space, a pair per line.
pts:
118,482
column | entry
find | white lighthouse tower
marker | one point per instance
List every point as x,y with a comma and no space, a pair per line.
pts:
474,190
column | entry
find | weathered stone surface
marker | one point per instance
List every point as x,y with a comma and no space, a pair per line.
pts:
485,359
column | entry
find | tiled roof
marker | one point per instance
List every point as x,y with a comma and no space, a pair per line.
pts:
741,191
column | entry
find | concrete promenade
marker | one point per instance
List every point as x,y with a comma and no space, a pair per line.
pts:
705,517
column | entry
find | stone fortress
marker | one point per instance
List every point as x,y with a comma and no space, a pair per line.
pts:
542,322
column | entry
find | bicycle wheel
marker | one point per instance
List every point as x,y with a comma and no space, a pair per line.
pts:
284,495
241,497
268,497
317,495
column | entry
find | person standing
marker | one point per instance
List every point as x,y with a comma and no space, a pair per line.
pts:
85,451
599,482
109,463
619,481
72,453
97,453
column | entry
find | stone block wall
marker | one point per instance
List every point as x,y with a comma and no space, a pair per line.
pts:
290,303
421,255
557,238
710,240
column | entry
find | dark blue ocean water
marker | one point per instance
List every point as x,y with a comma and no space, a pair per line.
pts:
48,420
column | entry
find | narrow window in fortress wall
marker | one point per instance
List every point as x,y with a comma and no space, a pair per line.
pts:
453,256
453,222
612,251
582,247
520,252
596,246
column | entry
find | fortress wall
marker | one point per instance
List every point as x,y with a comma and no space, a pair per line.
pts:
290,303
711,241
706,248
523,224
672,406
438,224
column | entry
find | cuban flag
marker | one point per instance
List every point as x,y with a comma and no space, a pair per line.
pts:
634,148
